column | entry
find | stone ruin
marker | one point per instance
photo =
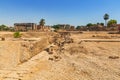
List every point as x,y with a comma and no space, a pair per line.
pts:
2,39
59,40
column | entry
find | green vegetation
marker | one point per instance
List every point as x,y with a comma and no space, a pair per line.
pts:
89,24
6,28
102,24
17,35
42,22
3,27
56,27
78,27
112,23
99,26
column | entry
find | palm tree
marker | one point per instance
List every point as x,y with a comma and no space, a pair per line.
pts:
42,23
106,17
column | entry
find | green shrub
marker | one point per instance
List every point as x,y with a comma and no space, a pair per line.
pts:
17,35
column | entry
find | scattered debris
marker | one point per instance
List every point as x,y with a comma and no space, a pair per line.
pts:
2,38
113,57
93,36
50,59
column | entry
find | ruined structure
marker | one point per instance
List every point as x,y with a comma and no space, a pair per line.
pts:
66,27
43,28
30,27
25,26
118,26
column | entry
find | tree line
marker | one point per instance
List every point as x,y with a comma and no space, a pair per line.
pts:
111,24
6,28
91,26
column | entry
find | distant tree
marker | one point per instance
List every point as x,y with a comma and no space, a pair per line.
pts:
98,23
56,27
106,17
7,29
42,22
11,29
89,24
102,24
112,23
81,28
78,27
3,27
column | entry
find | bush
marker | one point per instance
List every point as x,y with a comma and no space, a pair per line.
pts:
17,35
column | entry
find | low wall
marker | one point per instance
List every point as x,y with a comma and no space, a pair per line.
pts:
13,53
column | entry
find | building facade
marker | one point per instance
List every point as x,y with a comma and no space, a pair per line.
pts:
25,26
43,28
66,27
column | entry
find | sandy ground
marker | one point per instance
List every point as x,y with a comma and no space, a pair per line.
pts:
79,61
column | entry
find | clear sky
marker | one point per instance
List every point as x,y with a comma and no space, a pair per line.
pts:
74,12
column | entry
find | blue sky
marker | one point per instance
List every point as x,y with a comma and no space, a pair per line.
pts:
74,12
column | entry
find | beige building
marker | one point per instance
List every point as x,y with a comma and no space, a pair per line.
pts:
25,26
43,28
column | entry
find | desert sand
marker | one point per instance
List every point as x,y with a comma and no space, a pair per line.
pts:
77,60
